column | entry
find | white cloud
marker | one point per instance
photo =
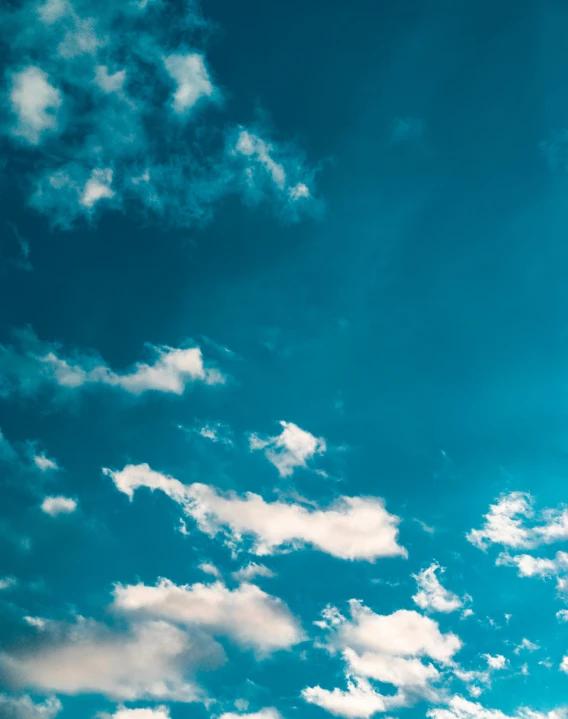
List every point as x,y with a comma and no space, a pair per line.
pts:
385,648
23,707
252,146
98,187
193,82
35,101
266,713
217,432
7,582
210,568
292,448
34,363
160,712
359,701
252,570
44,464
58,505
351,528
249,616
496,662
460,708
562,615
53,10
149,662
528,645
431,595
109,82
512,522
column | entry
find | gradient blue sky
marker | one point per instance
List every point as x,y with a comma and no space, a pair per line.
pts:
283,360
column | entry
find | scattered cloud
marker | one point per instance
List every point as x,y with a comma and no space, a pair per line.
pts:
527,645
431,595
35,102
351,528
7,582
31,363
44,464
249,616
160,712
251,571
192,80
23,707
217,432
292,448
58,505
460,708
147,662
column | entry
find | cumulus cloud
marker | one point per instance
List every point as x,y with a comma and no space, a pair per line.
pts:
190,74
292,448
150,661
530,566
390,649
58,505
33,363
116,63
351,528
35,102
431,595
512,522
7,582
217,432
266,713
247,615
23,707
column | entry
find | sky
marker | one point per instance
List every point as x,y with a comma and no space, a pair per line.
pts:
283,360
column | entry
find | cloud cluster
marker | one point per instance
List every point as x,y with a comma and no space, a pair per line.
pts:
31,363
351,528
390,649
431,595
292,448
249,616
23,707
460,708
89,85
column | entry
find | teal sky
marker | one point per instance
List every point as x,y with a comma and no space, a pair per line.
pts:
283,360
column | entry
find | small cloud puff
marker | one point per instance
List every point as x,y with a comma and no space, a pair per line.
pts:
35,102
24,707
432,596
58,505
292,448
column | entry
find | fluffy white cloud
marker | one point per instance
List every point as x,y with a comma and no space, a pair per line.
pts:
108,82
35,102
386,648
528,645
98,187
252,570
23,707
7,582
35,363
460,708
562,615
497,661
58,505
359,701
351,528
431,595
148,662
160,712
529,566
192,79
247,615
292,448
512,522
44,464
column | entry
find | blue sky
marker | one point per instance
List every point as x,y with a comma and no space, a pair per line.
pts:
283,360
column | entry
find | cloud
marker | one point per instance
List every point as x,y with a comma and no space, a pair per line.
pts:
58,505
7,582
7,452
512,522
292,448
562,615
44,464
351,528
252,570
529,566
33,363
192,79
359,701
160,712
386,648
249,616
106,70
35,102
23,707
149,661
460,708
432,596
266,713
528,645
217,432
